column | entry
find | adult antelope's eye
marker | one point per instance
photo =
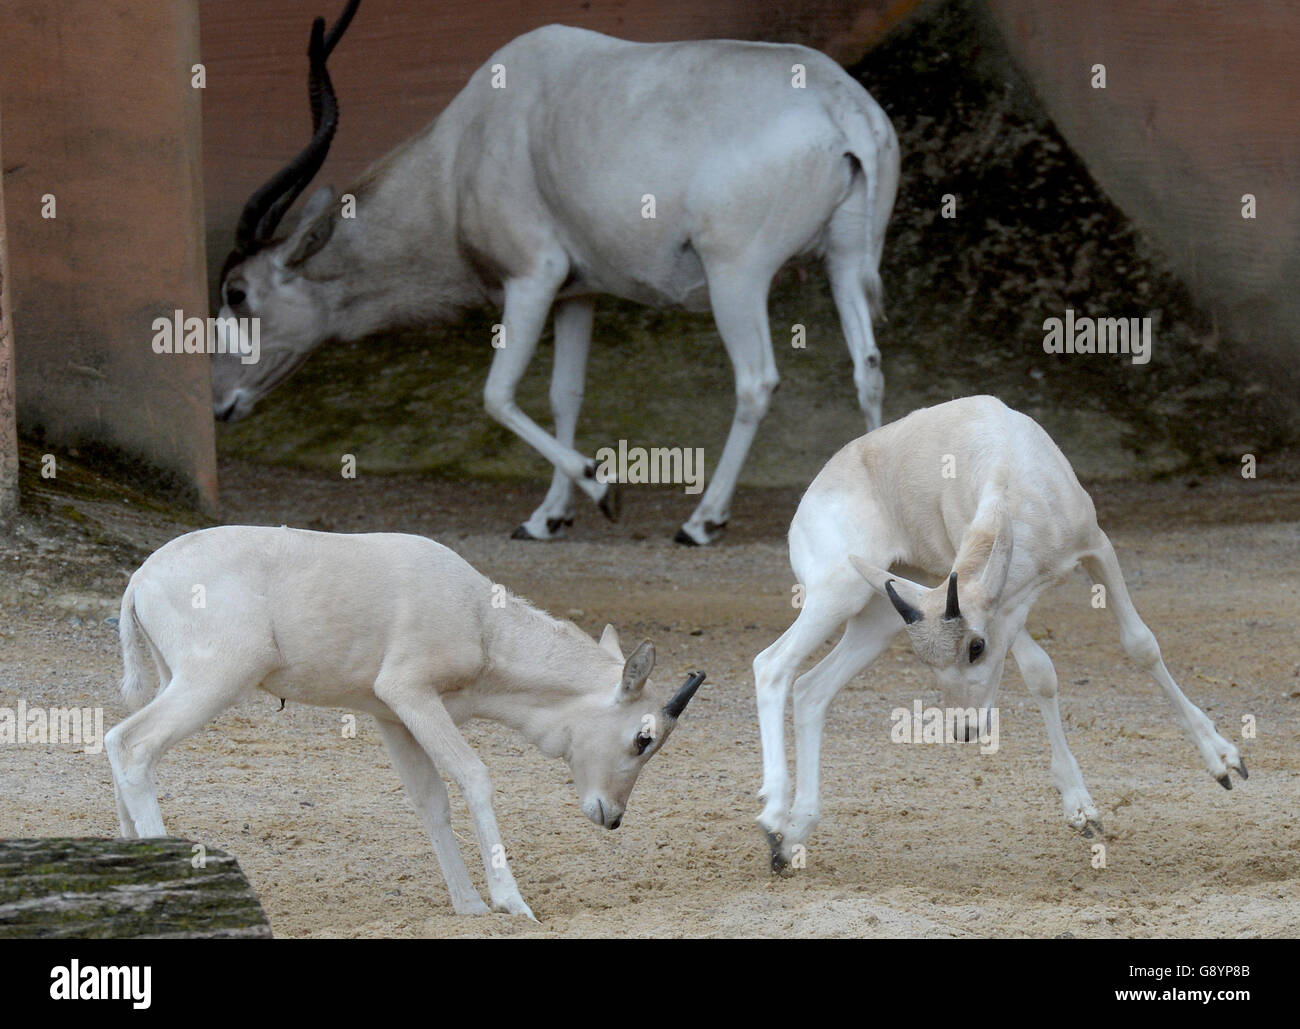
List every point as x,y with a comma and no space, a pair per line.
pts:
976,649
643,740
235,296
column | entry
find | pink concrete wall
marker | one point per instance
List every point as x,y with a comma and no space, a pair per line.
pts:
99,112
1201,106
8,398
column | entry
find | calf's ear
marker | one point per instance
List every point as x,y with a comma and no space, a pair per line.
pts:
904,594
985,554
636,670
609,642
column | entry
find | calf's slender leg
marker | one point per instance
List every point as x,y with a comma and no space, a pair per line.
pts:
137,743
865,637
827,606
1039,673
413,699
429,796
1140,644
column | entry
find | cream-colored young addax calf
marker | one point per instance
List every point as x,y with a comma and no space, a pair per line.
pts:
977,496
397,626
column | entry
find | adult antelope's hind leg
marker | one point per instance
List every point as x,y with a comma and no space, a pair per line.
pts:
573,320
137,743
412,699
738,296
867,634
429,796
1140,644
1039,673
846,267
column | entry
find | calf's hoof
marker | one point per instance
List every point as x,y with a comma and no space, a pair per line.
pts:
514,906
611,502
780,861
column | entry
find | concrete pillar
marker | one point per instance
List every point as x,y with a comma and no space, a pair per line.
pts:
8,400
103,158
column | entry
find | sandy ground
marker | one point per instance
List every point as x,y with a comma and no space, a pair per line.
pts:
915,840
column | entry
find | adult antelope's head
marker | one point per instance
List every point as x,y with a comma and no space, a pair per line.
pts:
266,277
619,730
961,628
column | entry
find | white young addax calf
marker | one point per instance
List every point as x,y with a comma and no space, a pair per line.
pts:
1010,521
397,626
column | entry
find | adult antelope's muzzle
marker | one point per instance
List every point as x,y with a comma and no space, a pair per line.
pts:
677,704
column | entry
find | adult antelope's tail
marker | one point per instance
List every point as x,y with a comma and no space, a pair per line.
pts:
874,144
139,676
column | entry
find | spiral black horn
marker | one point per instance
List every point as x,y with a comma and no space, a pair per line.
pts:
676,705
266,207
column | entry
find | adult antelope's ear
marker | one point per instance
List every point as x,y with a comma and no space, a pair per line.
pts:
317,202
985,555
609,642
314,228
636,670
904,594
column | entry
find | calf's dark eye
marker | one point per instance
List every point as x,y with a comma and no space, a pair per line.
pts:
976,649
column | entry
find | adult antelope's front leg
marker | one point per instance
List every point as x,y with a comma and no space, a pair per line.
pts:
421,711
1140,644
1039,673
739,300
573,320
527,301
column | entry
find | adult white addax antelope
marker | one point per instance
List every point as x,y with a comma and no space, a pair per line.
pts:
531,190
396,626
974,495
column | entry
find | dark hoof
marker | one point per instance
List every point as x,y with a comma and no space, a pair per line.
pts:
1241,768
1225,782
780,866
522,533
611,504
711,531
1092,828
